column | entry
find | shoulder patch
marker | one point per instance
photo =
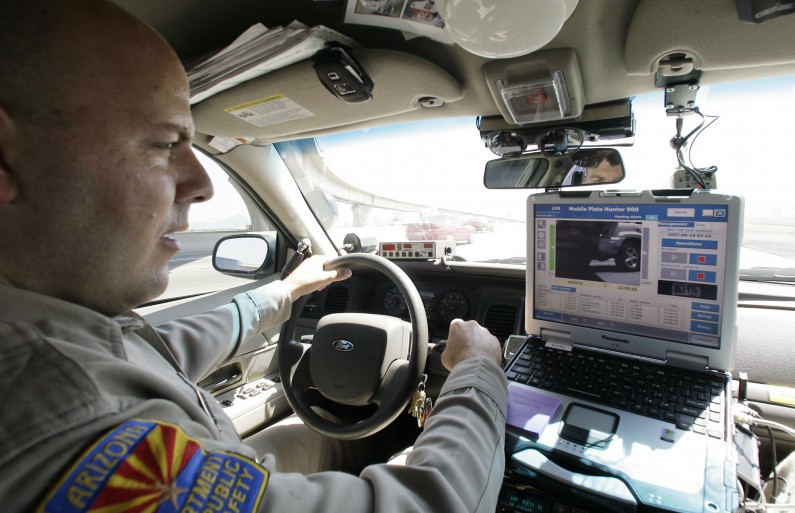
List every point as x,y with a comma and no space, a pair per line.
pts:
145,466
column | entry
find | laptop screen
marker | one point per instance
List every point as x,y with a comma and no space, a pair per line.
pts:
634,268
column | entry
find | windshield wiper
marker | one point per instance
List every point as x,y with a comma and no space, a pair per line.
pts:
769,274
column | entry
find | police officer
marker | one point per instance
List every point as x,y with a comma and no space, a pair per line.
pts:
99,408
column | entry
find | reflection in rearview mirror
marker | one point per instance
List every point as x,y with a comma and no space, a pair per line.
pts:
588,166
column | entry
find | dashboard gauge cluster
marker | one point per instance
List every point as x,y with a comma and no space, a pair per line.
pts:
395,303
450,305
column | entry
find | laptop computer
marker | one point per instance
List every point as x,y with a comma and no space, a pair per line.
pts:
622,392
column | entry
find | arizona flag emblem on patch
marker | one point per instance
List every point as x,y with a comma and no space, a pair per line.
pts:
154,467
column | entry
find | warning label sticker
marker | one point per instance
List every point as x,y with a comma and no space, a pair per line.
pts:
269,111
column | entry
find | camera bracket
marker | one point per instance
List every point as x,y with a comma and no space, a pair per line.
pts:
676,73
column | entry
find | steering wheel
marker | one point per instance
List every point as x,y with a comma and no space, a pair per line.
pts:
356,359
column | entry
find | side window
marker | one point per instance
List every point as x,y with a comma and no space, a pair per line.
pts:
229,211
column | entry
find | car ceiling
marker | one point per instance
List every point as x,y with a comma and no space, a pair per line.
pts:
618,44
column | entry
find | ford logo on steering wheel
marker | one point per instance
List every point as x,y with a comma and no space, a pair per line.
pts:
342,345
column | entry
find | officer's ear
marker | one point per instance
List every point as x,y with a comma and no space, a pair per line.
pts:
8,135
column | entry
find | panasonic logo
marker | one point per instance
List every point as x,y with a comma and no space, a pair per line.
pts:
615,339
343,345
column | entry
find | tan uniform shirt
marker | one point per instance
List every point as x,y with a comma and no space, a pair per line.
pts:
95,416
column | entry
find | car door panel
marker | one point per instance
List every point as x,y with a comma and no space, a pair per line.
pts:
254,364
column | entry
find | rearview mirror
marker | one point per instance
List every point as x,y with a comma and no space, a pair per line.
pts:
587,166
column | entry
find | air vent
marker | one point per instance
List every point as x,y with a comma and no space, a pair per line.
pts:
501,321
336,299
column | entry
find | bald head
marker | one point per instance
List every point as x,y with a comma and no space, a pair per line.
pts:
96,162
53,50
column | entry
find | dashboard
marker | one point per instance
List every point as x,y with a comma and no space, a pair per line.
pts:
465,292
445,305
495,297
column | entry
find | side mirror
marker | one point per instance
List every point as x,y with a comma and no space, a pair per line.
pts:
586,166
248,255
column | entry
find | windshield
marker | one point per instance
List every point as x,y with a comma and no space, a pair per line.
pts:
424,181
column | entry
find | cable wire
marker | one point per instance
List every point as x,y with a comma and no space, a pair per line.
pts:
679,143
759,421
710,169
774,459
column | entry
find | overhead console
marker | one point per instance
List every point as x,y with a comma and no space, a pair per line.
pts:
293,100
540,88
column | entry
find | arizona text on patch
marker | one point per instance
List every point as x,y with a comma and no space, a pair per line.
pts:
148,467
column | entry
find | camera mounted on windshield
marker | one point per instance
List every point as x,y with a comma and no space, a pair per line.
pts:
612,121
549,156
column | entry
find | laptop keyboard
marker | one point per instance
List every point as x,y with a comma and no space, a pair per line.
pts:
689,400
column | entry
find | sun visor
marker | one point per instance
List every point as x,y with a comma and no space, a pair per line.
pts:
661,29
293,100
